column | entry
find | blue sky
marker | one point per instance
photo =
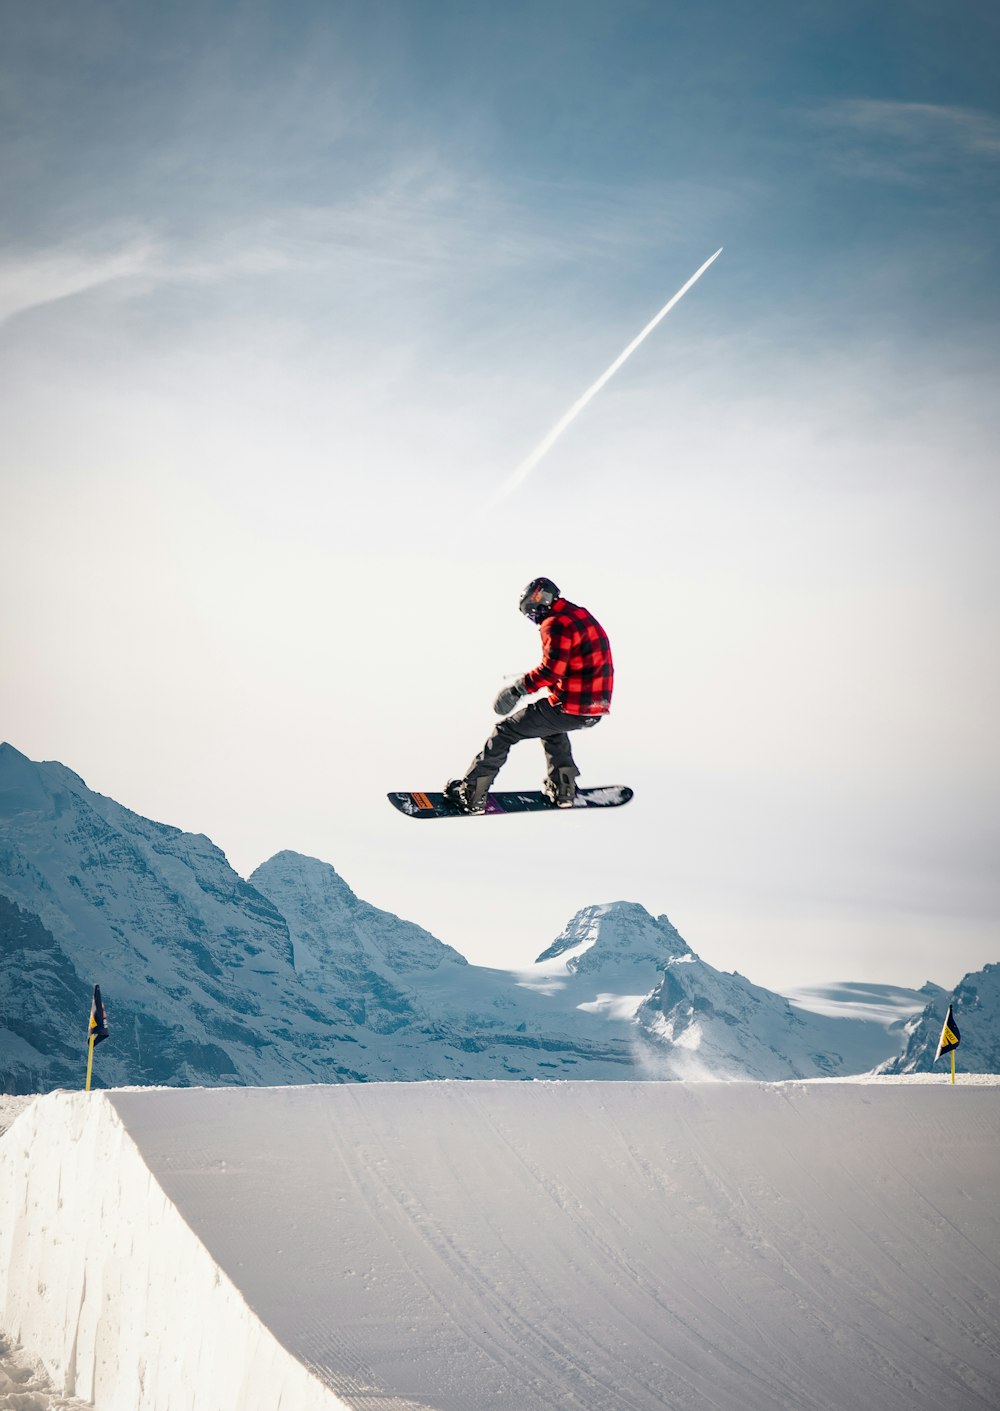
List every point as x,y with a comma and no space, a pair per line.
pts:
287,291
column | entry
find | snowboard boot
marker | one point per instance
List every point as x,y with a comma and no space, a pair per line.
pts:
468,795
560,789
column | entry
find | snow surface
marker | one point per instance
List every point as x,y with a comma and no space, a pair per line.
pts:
603,1246
24,1385
890,1005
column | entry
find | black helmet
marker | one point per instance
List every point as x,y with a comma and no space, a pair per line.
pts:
537,599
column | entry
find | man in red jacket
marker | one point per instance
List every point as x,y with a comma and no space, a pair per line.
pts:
576,668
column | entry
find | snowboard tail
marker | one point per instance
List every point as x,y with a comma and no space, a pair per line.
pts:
435,805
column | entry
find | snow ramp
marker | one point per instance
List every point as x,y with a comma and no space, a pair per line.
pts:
478,1246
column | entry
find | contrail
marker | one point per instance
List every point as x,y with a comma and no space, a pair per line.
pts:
527,466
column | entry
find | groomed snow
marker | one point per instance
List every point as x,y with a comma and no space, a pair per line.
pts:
519,1246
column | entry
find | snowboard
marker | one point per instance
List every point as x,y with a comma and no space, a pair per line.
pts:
431,805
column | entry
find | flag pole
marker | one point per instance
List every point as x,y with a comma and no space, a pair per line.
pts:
90,1061
953,1065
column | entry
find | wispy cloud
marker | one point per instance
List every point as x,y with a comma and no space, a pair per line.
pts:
423,220
905,142
28,281
128,267
424,213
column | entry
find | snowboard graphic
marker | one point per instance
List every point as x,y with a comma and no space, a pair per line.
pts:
435,805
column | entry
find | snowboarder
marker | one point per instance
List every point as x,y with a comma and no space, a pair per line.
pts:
577,669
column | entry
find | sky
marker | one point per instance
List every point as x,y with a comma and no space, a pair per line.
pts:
287,293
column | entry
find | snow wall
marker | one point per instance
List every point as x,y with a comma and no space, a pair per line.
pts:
517,1246
105,1282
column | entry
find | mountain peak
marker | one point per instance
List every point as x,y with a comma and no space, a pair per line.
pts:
613,934
333,929
14,764
310,873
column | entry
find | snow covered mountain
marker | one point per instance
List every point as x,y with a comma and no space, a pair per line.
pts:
976,1004
435,1014
693,1021
714,1024
39,988
291,978
198,963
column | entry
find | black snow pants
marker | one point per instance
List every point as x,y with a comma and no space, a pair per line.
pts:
538,721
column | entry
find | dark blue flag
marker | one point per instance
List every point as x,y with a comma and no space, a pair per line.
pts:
950,1037
98,1018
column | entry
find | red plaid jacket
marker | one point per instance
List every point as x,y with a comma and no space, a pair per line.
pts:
576,662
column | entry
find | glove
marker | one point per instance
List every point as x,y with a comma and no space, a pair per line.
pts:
508,698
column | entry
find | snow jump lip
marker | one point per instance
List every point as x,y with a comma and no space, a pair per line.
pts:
452,1246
